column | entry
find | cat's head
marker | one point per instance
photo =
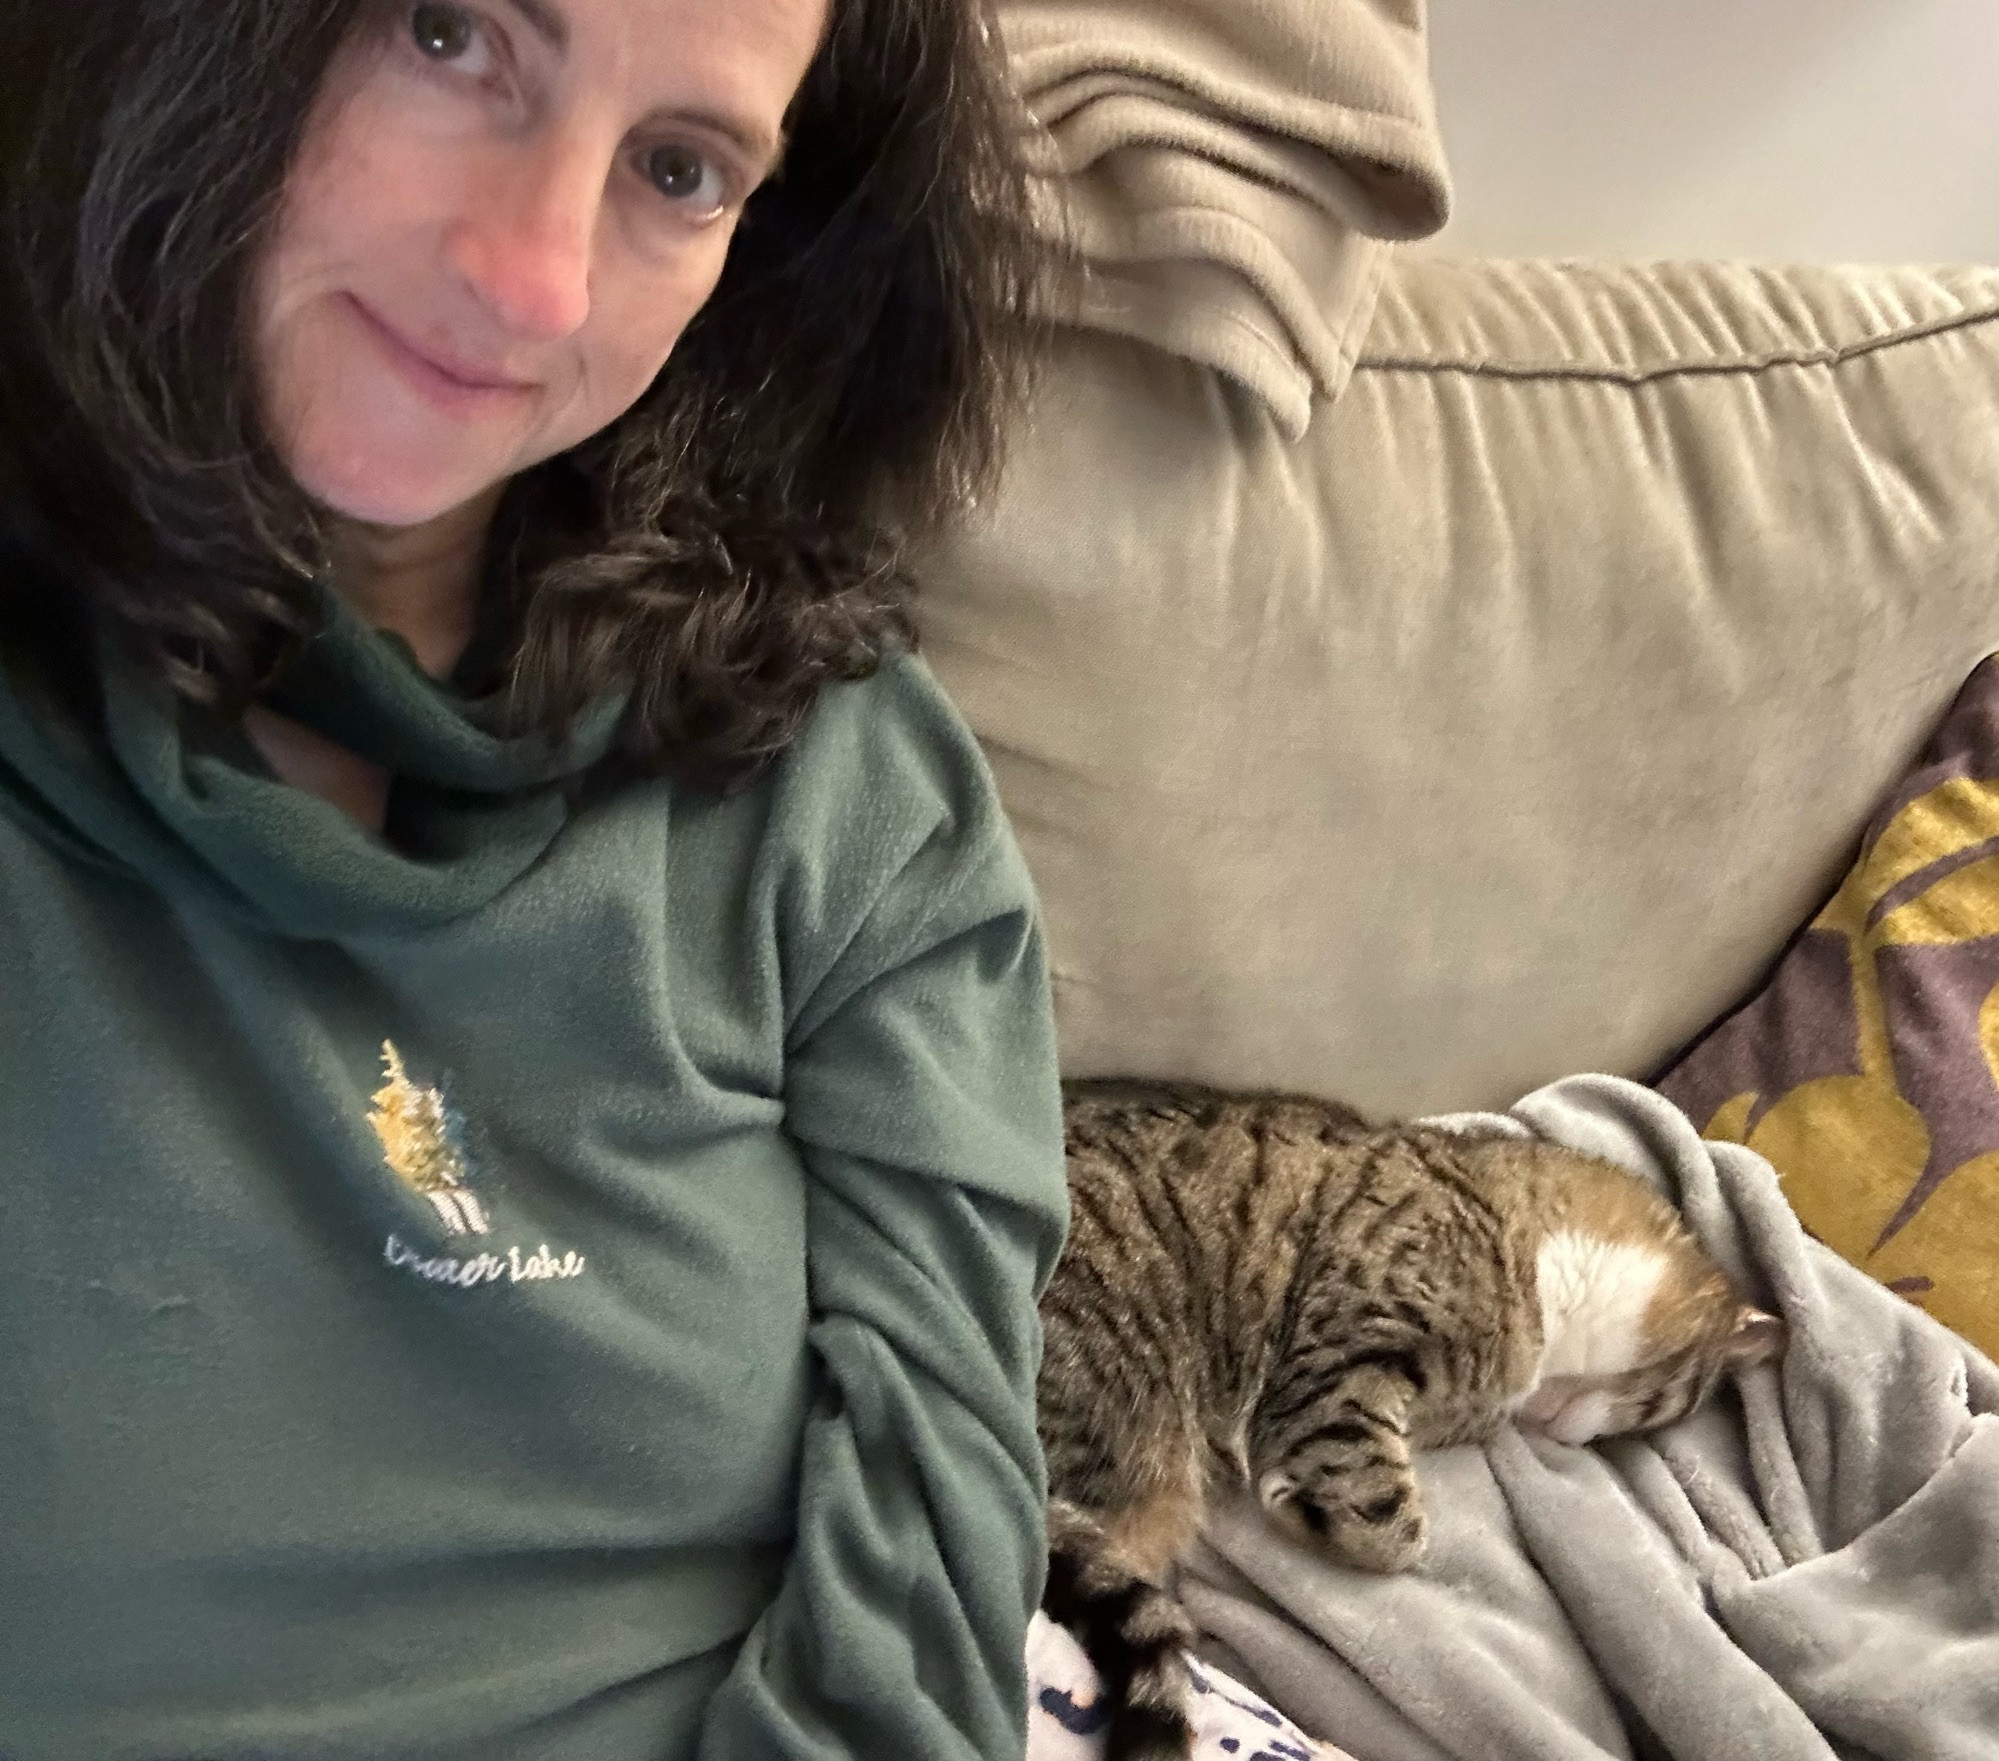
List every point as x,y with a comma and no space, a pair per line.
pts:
1636,1334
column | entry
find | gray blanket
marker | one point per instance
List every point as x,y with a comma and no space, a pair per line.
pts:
1807,1568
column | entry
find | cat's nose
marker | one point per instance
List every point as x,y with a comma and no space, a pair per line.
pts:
1582,1417
1563,1414
1537,1409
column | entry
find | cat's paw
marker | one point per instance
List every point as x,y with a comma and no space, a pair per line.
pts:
1396,1543
1386,1533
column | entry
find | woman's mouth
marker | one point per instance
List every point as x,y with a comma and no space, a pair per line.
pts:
456,387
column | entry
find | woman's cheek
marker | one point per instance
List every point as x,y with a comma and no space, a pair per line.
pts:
622,381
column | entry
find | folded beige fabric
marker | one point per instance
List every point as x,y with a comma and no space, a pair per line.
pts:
1229,171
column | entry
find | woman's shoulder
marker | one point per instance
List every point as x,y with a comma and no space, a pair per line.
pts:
883,812
894,747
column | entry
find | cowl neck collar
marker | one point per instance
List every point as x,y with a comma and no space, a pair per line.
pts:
159,788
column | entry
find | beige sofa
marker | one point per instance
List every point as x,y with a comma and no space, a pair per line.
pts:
1415,679
1418,681
1506,722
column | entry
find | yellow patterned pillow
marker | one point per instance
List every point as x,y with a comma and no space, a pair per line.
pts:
1867,1067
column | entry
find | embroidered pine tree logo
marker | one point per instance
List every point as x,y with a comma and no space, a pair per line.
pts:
422,1140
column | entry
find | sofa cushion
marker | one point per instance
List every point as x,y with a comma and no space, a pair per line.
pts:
1866,1069
1505,725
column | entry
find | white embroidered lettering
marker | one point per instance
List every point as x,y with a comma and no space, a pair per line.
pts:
485,1268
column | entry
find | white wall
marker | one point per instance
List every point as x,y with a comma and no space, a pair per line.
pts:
1785,130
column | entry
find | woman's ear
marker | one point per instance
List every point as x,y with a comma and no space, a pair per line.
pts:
1757,1338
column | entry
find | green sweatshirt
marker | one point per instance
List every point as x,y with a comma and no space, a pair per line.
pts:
557,1283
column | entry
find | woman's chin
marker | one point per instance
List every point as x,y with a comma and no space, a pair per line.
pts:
379,495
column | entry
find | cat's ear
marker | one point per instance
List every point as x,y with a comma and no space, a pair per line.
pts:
1757,1338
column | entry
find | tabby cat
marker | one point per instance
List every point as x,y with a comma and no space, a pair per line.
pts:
1266,1288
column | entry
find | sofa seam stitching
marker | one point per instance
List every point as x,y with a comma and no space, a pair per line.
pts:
1635,376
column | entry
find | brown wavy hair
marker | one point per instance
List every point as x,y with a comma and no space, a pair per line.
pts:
720,551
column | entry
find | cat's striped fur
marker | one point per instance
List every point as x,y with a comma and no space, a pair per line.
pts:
1263,1287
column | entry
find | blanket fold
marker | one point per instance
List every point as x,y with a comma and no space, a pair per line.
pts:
1807,1568
1229,172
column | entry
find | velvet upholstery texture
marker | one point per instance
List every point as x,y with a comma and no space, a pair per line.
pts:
1508,723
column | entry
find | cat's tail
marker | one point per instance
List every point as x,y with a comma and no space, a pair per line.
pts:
1133,1630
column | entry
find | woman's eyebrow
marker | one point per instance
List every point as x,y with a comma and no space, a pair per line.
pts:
757,143
548,23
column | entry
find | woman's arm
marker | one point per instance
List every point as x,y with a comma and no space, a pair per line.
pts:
922,1091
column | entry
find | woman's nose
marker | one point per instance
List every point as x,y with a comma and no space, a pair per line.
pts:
524,245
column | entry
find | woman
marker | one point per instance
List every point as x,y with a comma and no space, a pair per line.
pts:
531,1137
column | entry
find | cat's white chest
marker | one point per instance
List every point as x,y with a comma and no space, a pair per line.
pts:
1594,1297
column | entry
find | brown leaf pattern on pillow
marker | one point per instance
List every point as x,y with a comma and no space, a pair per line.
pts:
1867,1068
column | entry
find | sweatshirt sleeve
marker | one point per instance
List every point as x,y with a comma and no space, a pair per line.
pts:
921,1090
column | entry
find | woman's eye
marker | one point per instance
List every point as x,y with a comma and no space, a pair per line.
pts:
686,178
448,33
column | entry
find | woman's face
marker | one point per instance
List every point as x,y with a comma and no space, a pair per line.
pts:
501,218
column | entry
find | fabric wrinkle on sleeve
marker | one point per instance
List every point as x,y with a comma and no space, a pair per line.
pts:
921,1090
